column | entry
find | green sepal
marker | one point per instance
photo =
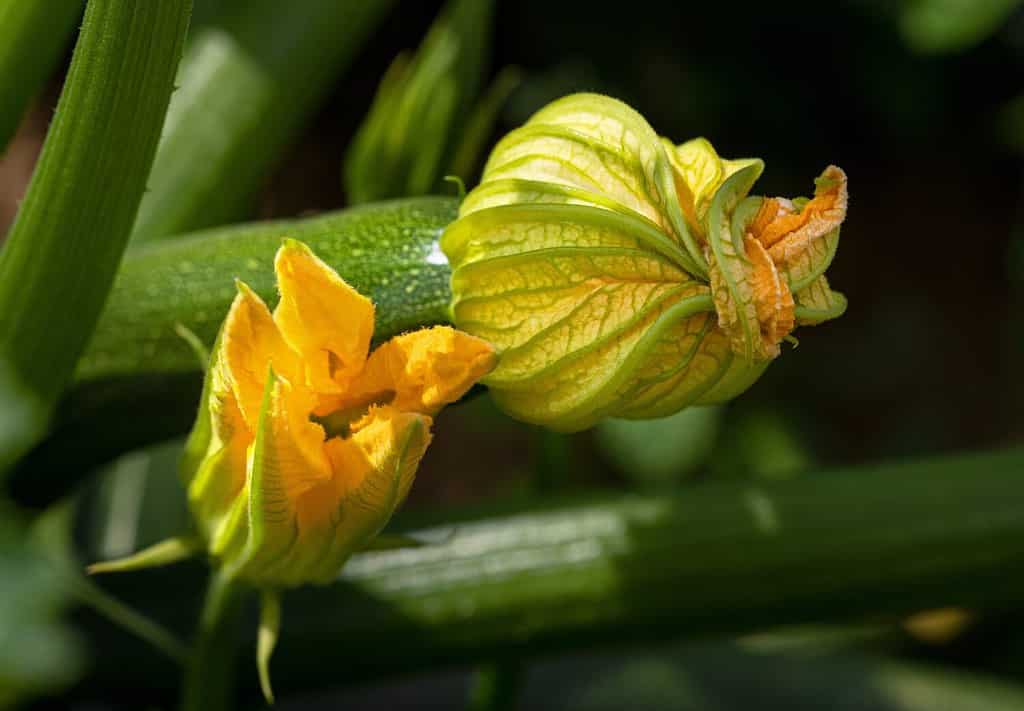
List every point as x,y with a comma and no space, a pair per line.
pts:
733,295
818,303
159,554
266,639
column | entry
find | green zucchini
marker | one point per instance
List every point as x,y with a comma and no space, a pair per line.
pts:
387,251
139,380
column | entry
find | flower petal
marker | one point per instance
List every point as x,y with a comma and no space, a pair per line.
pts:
699,172
373,471
818,303
250,343
425,370
802,241
287,462
327,321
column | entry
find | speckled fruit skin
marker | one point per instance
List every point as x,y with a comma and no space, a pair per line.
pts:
387,251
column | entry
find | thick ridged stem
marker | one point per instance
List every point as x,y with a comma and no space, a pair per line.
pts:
62,252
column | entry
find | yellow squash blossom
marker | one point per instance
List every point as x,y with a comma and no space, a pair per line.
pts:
621,275
306,442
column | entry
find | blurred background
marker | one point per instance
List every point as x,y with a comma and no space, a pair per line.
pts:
921,102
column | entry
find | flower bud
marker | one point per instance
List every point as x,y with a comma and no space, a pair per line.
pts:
620,275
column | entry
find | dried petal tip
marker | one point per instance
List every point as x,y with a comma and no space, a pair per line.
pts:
787,246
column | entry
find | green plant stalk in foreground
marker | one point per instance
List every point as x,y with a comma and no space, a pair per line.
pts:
33,37
718,559
249,81
60,257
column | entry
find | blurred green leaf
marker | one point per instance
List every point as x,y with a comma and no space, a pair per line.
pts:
663,451
22,418
941,26
760,444
726,677
37,654
422,124
33,39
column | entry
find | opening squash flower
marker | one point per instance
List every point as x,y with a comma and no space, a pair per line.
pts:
306,442
621,275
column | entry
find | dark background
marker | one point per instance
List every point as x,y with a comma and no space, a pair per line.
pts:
927,358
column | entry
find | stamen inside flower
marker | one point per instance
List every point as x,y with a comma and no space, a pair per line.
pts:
338,423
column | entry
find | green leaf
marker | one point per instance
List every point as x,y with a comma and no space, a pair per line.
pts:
941,26
38,654
407,141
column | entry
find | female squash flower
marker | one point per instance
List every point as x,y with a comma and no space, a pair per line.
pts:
621,275
305,442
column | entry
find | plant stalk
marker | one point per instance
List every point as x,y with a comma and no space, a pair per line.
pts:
516,580
209,681
60,257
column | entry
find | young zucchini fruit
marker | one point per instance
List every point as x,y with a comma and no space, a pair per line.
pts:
140,378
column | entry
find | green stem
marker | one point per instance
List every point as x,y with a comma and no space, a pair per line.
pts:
718,559
715,559
249,81
496,686
209,681
33,37
62,252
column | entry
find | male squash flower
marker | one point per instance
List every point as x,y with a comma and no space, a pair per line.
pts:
621,275
306,442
